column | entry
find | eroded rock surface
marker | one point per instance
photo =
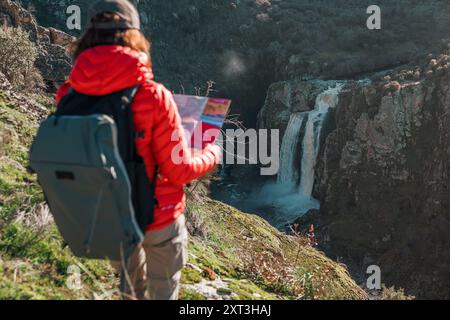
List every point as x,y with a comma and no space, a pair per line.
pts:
383,181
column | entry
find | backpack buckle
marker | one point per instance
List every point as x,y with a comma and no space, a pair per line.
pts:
113,173
125,102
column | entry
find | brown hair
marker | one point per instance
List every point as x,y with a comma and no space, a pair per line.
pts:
123,37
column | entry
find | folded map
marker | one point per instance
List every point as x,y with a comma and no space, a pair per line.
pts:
202,118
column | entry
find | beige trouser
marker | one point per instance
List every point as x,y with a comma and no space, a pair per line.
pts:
154,270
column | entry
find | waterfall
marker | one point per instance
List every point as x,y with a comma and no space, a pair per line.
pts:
287,173
311,139
290,197
300,198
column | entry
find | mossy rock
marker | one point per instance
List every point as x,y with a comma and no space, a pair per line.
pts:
236,238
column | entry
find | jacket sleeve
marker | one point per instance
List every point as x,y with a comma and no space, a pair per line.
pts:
170,148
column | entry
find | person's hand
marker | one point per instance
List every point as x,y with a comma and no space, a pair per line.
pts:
214,149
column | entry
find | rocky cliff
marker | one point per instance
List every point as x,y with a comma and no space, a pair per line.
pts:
287,97
53,61
384,178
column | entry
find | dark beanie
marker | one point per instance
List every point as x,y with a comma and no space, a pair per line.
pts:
123,8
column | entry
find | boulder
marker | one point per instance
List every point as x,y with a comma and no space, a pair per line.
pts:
60,38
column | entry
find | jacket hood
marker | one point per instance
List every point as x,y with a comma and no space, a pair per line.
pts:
106,69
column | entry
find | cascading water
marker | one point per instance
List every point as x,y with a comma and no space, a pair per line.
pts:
311,139
287,173
291,196
296,198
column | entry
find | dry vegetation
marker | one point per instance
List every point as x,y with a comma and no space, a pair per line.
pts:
17,59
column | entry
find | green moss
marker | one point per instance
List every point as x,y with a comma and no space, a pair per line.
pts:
10,290
190,276
190,295
246,290
18,189
235,239
206,256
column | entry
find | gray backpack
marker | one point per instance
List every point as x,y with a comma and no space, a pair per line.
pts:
94,182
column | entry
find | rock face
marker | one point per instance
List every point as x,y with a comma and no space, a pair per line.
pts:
383,181
287,97
53,61
383,173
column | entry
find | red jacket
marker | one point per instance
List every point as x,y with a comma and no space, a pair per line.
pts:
106,69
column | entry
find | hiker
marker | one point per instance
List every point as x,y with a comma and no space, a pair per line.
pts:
111,55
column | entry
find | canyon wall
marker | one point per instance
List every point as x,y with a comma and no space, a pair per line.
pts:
383,173
383,179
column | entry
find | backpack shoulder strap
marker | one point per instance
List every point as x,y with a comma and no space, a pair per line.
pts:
66,97
129,94
127,97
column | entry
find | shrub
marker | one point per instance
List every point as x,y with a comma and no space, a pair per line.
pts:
17,57
395,294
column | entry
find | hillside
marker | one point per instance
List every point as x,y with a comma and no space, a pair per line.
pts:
384,176
233,255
